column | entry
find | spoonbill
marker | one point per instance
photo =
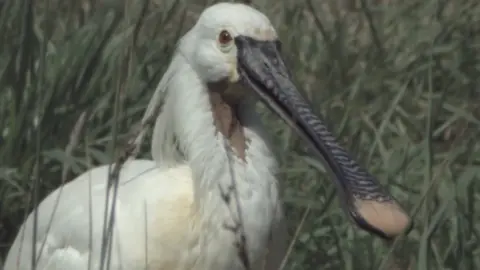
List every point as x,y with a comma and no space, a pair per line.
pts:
213,173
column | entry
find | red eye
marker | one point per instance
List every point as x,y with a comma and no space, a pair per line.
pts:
224,37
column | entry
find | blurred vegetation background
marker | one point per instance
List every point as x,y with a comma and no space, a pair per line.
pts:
397,80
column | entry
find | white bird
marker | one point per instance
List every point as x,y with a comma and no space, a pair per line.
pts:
213,168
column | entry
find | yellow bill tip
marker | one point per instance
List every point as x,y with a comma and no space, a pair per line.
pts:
387,216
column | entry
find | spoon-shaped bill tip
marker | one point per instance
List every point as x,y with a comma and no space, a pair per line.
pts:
385,216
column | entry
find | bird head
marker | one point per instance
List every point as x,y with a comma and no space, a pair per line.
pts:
237,44
216,41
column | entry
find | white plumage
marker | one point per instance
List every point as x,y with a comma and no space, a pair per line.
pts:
170,213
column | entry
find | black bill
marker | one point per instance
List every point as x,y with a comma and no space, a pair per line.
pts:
371,207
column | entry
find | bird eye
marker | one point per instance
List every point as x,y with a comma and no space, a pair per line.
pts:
224,38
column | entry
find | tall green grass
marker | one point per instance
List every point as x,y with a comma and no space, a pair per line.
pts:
399,84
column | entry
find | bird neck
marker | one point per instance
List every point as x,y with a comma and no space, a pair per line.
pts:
188,131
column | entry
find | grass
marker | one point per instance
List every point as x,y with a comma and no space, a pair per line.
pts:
398,82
